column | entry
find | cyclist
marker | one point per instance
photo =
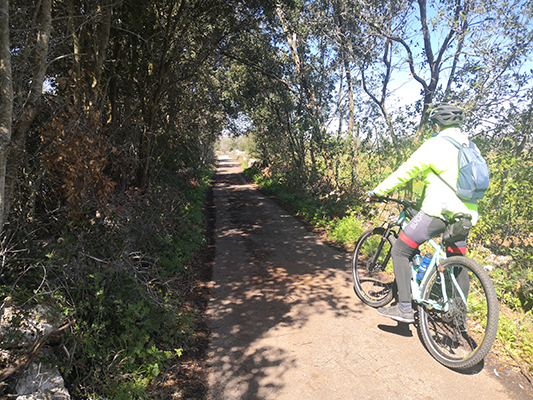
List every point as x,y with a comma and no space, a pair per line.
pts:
435,155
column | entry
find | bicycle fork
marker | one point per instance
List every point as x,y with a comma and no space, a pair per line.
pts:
384,239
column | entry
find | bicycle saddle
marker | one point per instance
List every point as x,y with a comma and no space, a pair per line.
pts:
458,216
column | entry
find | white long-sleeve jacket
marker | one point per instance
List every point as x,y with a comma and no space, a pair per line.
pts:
442,156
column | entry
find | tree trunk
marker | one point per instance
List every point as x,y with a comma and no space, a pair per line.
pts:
6,103
380,102
32,105
310,101
90,42
339,100
351,117
102,38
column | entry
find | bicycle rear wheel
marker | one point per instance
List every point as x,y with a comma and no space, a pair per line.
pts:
462,336
372,271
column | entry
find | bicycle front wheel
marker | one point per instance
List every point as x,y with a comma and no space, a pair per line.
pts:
372,270
461,334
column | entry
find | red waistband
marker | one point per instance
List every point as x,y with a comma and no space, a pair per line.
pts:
409,242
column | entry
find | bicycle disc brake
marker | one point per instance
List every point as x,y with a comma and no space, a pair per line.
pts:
373,267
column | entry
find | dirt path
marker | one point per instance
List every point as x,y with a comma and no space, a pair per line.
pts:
286,324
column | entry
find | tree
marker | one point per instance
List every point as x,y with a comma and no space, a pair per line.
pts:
6,103
35,53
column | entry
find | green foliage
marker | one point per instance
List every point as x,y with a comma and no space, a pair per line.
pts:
514,287
230,144
346,230
320,212
515,337
505,285
122,277
125,331
508,227
506,224
299,202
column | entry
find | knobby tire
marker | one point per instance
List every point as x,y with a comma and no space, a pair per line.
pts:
374,282
463,336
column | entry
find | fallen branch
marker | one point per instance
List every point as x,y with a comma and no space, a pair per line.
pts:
31,354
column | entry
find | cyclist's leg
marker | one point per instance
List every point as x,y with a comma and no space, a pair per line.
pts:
419,230
403,311
458,248
401,254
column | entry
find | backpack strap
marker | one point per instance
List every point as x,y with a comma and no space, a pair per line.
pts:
456,144
453,141
442,179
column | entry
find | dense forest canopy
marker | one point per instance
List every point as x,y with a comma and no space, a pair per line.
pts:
145,84
105,102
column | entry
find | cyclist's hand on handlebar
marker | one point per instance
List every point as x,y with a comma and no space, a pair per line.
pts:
371,196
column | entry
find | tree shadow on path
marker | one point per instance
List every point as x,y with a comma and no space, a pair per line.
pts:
270,277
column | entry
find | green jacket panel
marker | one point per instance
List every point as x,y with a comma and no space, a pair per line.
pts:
442,156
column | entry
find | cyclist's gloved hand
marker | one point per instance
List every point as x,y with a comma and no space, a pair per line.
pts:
370,196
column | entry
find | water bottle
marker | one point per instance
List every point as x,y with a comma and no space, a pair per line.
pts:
416,261
423,267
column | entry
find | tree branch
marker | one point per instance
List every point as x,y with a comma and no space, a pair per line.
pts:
31,354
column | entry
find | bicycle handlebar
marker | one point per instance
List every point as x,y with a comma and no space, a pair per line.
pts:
412,204
384,199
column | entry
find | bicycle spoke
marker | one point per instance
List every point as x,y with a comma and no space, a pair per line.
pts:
459,335
450,335
372,269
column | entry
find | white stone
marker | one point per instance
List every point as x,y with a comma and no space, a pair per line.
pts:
41,382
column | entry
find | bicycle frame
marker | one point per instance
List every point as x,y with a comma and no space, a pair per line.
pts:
448,325
438,255
416,291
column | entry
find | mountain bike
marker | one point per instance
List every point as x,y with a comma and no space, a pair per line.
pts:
458,322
